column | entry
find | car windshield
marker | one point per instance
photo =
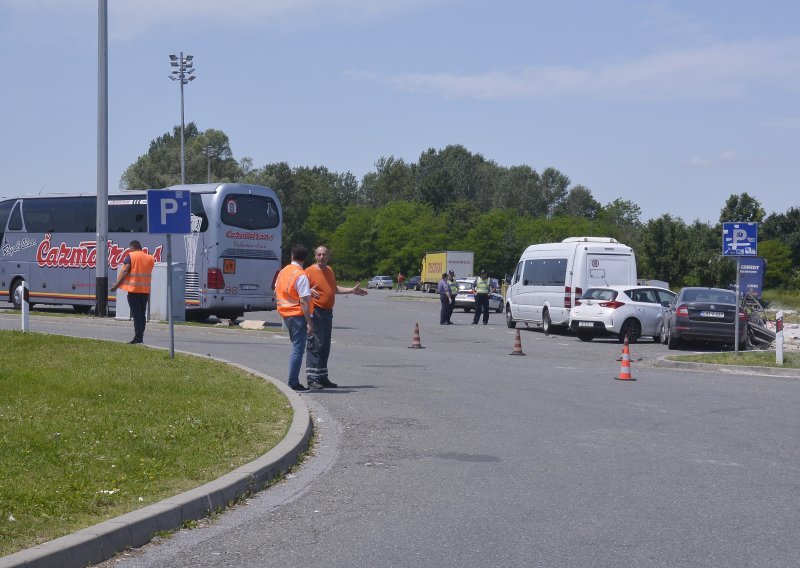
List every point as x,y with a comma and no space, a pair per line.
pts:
603,294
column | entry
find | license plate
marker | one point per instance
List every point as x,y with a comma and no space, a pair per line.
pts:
712,315
585,324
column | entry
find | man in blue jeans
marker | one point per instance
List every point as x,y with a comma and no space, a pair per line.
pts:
293,294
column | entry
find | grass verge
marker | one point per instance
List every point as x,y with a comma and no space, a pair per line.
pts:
791,360
91,429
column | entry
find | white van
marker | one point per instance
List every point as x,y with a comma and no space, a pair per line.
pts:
550,277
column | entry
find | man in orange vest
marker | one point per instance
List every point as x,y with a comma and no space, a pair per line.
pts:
293,297
135,278
323,290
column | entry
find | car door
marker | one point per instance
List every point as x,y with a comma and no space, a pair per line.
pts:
648,309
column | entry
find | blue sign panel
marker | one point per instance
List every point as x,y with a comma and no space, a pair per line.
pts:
168,211
739,239
751,276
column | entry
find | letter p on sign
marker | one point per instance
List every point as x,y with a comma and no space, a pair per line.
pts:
168,211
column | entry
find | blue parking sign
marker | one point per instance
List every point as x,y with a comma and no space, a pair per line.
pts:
169,211
740,239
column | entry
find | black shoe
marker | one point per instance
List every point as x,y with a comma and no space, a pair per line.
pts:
134,340
313,385
298,387
485,323
327,384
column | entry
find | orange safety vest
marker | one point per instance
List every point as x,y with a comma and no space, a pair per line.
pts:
324,281
138,279
286,292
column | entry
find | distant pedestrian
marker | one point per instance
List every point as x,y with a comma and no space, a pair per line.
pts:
323,292
453,293
293,295
443,288
135,278
482,288
400,280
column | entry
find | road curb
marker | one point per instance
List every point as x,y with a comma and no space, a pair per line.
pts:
131,530
729,369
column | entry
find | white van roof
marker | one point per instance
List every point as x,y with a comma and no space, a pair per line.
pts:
589,240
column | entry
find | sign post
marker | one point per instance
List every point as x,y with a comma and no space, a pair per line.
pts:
738,240
169,212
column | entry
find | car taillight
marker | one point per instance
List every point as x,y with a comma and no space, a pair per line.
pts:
613,304
682,311
215,279
742,315
578,294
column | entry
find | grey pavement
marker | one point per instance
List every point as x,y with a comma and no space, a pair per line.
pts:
460,455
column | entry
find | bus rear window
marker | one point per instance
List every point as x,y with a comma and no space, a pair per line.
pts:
251,212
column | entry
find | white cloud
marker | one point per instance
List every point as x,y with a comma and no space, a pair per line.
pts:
727,155
724,156
712,72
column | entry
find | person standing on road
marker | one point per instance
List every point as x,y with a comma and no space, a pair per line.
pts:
443,289
293,295
135,278
400,279
453,293
482,289
323,291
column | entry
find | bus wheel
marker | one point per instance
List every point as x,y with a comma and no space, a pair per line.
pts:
17,291
81,309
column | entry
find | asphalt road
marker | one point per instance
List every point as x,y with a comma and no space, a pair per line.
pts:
462,455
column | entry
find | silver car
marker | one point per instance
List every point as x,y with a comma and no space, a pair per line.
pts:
380,282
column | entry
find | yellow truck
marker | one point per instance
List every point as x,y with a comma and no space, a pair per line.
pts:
434,264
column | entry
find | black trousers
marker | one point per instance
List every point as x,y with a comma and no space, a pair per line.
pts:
138,306
481,306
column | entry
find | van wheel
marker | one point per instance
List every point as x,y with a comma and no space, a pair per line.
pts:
546,323
510,323
632,329
17,291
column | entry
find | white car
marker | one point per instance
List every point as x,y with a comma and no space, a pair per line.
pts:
380,282
466,299
635,311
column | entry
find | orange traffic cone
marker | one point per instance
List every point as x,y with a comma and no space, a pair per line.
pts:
517,346
415,344
625,368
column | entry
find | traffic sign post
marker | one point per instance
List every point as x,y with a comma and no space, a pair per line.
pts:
739,239
168,212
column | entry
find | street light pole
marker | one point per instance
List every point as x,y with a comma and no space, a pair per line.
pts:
183,71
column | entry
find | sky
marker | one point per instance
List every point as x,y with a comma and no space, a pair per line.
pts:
673,106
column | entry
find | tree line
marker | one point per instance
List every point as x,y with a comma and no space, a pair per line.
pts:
453,199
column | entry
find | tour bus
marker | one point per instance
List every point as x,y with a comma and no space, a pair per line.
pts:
232,255
551,277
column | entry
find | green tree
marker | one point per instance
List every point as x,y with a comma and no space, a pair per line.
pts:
354,253
662,254
779,272
579,202
741,208
784,227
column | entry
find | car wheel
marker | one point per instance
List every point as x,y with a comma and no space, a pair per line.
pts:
632,329
510,323
499,309
583,336
672,341
467,310
663,336
17,292
546,323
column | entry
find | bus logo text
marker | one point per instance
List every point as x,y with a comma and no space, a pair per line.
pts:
82,256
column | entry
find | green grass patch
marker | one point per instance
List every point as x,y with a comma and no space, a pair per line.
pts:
91,429
746,358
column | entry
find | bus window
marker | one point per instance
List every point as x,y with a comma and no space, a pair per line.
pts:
249,212
15,222
5,211
199,211
67,215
